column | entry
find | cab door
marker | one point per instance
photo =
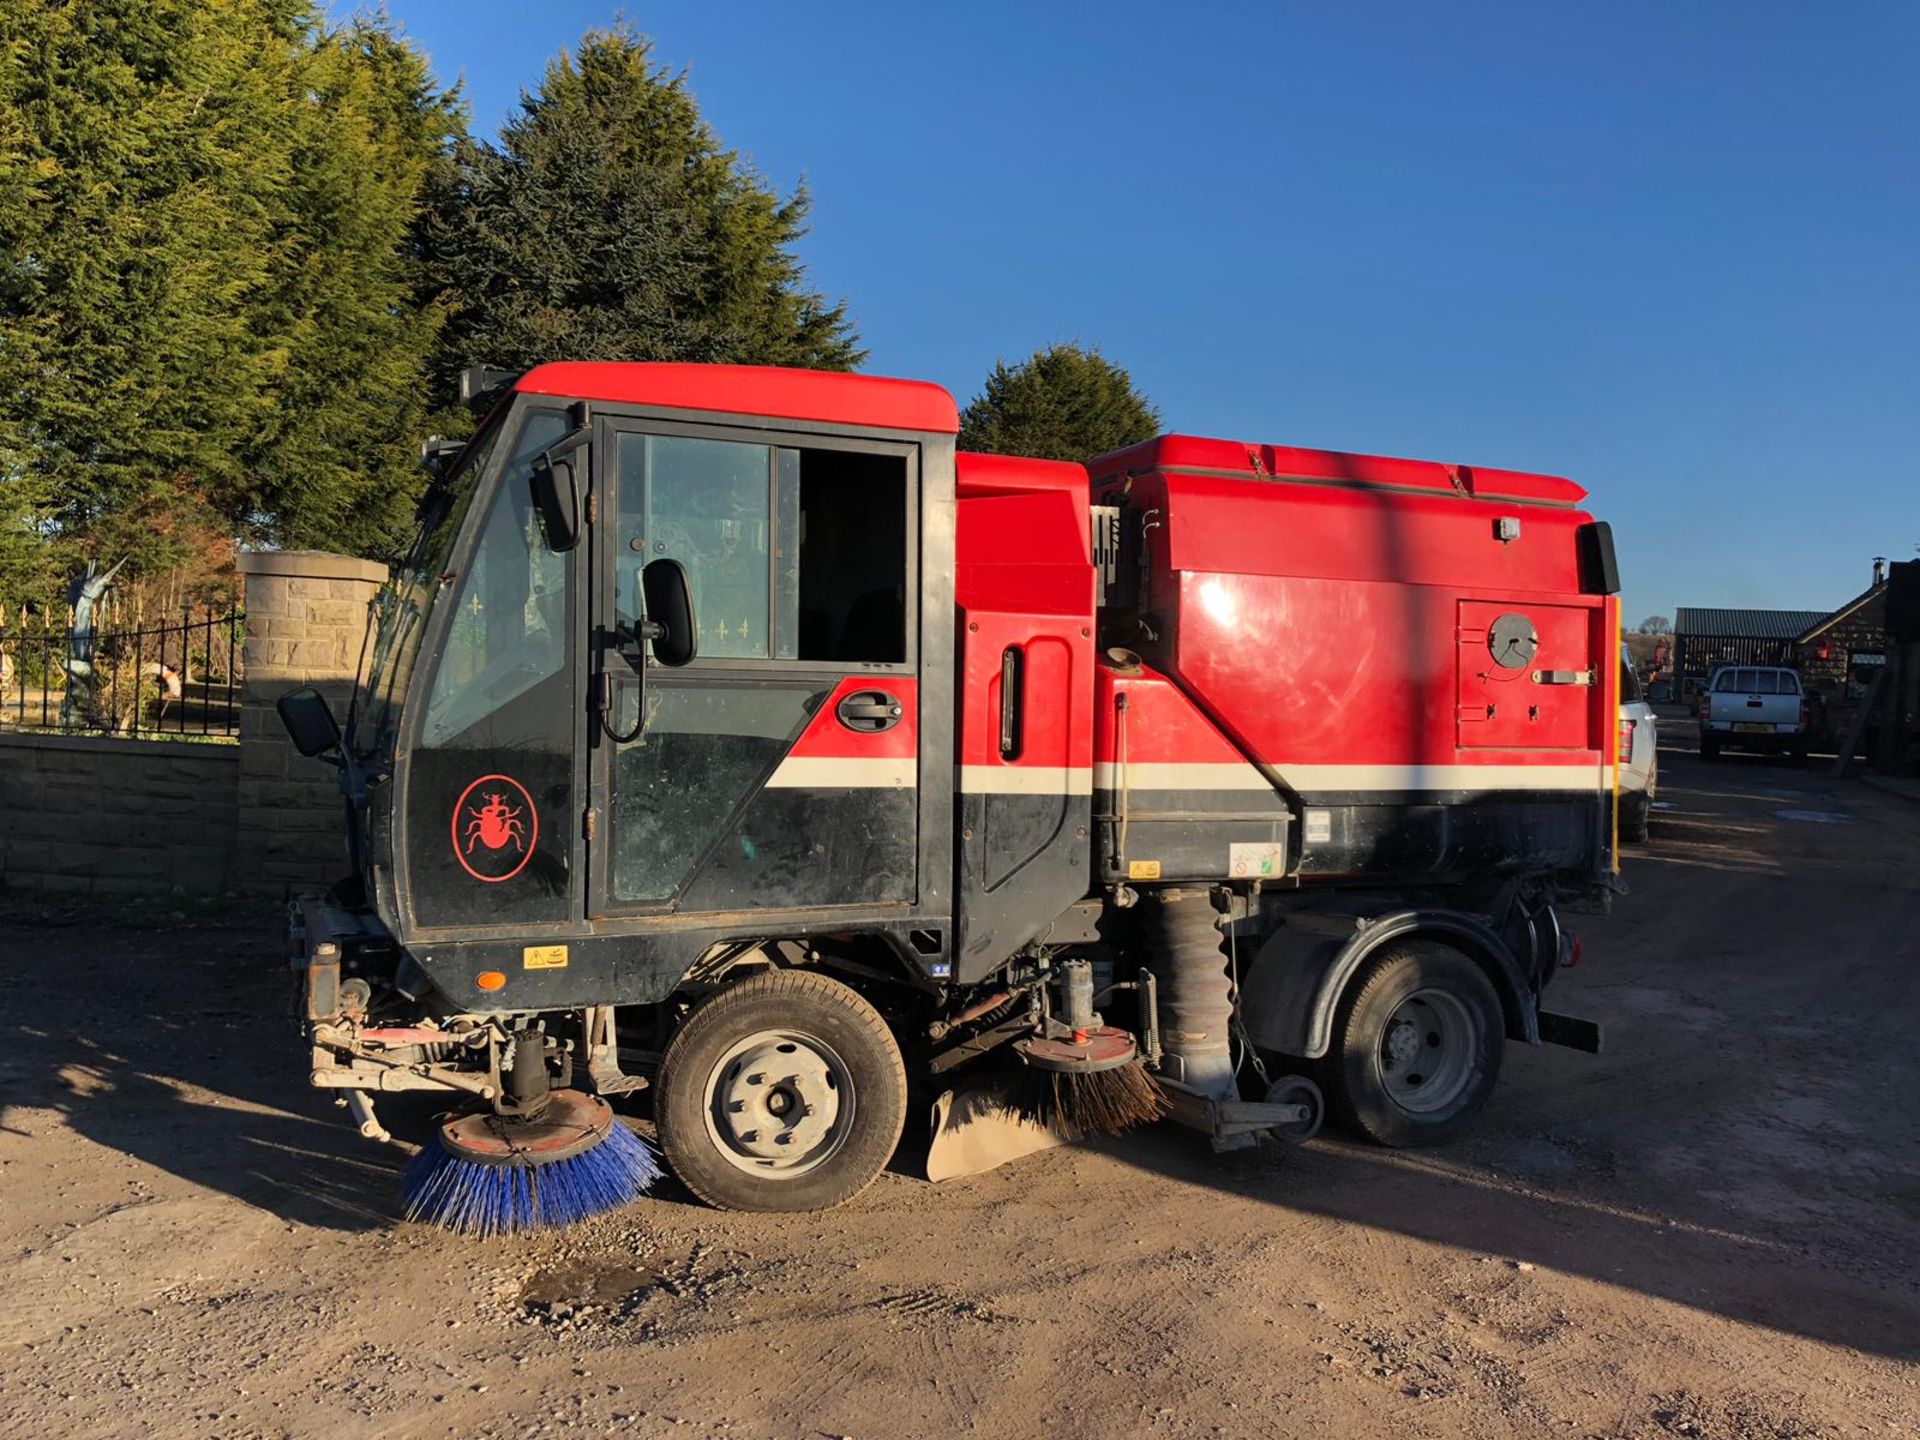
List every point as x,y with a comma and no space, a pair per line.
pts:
777,769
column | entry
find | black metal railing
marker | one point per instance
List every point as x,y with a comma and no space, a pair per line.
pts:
157,679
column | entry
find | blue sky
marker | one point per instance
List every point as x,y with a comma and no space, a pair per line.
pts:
1672,251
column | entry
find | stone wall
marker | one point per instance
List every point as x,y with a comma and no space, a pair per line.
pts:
86,813
306,622
117,816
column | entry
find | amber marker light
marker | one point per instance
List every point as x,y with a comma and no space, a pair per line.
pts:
490,980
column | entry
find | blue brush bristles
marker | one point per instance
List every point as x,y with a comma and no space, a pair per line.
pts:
484,1200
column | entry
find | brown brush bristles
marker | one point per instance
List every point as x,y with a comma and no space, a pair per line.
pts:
1077,1105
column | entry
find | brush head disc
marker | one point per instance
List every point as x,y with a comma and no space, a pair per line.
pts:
572,1124
1107,1048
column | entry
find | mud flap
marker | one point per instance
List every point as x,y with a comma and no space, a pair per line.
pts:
974,1132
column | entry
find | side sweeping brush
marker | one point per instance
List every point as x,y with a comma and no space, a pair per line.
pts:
1085,1078
487,1174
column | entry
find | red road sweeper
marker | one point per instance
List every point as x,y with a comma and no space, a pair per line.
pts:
729,736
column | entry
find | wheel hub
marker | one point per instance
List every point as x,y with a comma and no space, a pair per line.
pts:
1403,1043
779,1101
1428,1051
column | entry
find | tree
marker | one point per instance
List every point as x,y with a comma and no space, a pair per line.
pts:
1062,403
1656,625
204,281
610,224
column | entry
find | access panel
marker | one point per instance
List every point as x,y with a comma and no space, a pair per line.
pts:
1526,675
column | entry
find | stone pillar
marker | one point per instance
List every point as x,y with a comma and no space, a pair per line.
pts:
307,615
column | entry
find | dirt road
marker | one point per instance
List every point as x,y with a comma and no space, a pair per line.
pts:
1713,1230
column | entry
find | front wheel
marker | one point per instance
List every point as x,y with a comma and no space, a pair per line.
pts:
1417,1046
784,1092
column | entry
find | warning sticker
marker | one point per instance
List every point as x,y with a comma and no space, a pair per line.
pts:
1263,861
544,957
1143,870
1319,826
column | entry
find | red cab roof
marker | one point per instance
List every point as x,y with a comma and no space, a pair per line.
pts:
826,396
1284,462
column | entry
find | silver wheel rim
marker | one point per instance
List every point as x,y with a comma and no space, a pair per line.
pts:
1429,1051
779,1103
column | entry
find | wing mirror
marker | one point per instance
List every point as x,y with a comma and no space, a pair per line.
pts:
556,499
556,485
669,625
309,721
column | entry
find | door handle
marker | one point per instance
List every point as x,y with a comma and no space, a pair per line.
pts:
869,711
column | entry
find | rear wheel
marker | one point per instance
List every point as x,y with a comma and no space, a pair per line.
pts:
1416,1046
785,1092
1709,747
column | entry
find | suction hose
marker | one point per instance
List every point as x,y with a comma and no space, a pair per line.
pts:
1196,998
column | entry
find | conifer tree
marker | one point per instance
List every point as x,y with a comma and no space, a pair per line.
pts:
610,223
1061,403
205,317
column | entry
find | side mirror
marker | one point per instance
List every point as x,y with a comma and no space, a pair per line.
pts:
556,498
309,721
669,601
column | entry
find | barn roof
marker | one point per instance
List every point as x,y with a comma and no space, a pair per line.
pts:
1845,612
1746,624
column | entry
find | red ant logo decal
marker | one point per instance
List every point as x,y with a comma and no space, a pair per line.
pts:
493,838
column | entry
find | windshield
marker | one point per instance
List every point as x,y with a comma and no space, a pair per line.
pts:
400,610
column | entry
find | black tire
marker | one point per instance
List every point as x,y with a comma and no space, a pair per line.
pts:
1709,748
1409,980
816,1012
1800,753
1635,814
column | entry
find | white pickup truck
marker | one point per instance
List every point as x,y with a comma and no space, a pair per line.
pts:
1754,707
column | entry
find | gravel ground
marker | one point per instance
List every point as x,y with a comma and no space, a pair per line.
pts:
1713,1230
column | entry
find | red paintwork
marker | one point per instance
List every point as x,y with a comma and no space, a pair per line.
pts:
1335,623
1265,462
825,738
977,475
1163,726
818,395
1024,578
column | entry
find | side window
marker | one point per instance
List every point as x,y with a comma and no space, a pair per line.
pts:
509,626
1724,684
708,504
1629,685
490,790
791,553
852,554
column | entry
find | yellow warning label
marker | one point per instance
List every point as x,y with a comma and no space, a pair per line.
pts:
544,957
1143,870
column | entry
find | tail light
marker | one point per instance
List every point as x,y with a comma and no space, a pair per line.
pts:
1625,752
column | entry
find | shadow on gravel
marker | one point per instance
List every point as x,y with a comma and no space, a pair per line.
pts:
1743,1278
175,1049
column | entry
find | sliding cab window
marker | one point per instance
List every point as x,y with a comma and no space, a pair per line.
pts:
792,553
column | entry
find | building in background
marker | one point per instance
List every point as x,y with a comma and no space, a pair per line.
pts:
1703,639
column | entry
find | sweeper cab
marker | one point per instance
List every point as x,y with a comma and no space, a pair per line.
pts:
729,738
